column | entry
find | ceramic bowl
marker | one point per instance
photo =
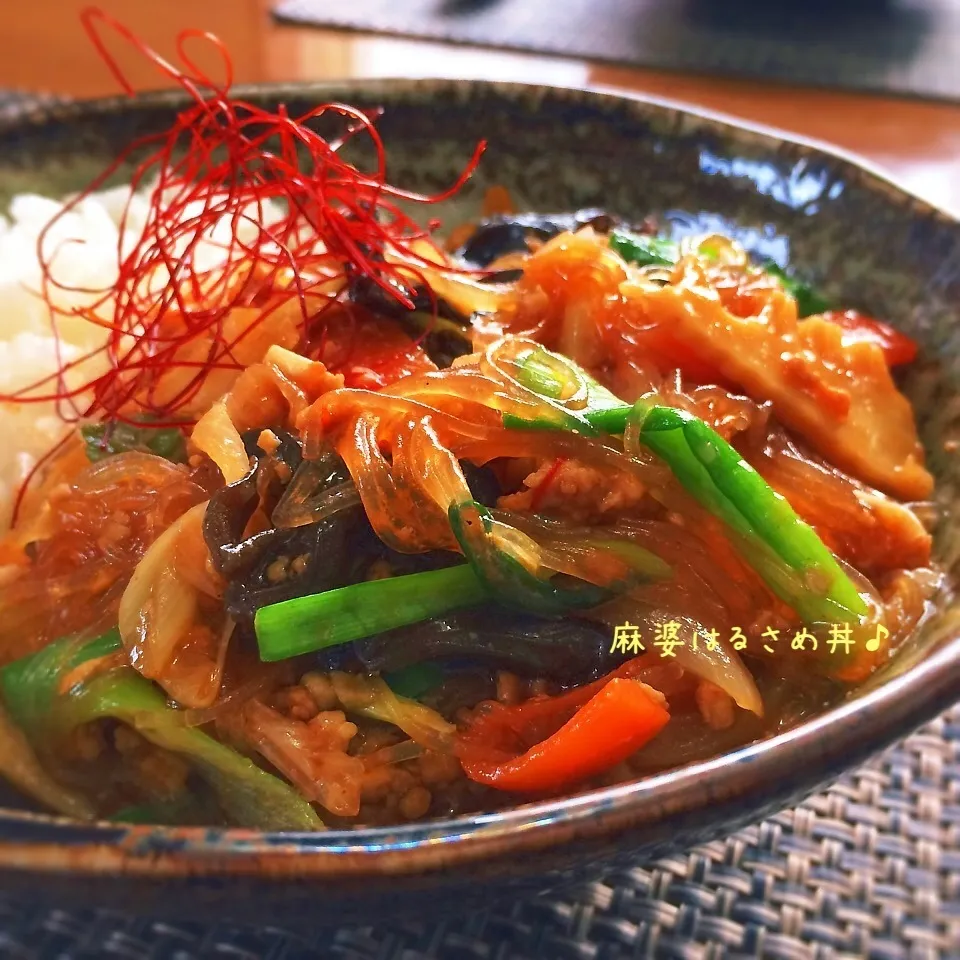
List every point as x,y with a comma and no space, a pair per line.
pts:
863,240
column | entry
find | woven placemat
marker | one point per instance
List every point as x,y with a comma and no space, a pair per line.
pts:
903,47
869,868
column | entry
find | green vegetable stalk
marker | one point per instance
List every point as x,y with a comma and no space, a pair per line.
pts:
339,616
505,577
20,765
249,796
809,302
372,697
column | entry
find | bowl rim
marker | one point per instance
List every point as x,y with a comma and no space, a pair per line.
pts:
847,733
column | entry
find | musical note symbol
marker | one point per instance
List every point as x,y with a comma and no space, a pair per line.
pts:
873,644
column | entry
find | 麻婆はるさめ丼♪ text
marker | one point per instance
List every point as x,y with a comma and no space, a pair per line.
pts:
836,638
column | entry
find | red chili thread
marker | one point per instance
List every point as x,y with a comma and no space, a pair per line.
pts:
540,491
222,158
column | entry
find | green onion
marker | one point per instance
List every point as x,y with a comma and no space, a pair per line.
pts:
506,578
108,439
809,302
249,796
655,251
644,250
414,681
335,617
785,551
728,487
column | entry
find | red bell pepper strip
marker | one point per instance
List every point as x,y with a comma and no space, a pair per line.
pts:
388,353
897,347
500,731
611,726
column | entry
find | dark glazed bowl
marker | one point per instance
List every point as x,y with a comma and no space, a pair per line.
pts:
864,241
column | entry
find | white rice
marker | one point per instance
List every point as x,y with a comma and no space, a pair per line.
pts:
27,343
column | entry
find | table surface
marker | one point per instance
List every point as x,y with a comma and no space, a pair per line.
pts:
42,47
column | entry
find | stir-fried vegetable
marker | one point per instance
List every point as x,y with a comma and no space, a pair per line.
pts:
169,626
555,739
372,697
339,616
107,439
249,796
20,765
612,725
786,552
647,251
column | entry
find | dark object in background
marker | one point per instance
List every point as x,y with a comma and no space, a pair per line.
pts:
497,236
906,48
444,331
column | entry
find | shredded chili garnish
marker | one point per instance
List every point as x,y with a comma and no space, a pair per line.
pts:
540,491
224,162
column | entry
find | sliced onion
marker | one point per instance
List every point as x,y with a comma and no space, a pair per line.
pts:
158,607
217,437
371,697
721,666
397,753
160,621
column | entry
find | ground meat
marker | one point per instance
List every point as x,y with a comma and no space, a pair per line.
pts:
716,706
394,791
268,442
376,784
415,803
297,703
85,743
161,772
438,769
579,493
321,690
